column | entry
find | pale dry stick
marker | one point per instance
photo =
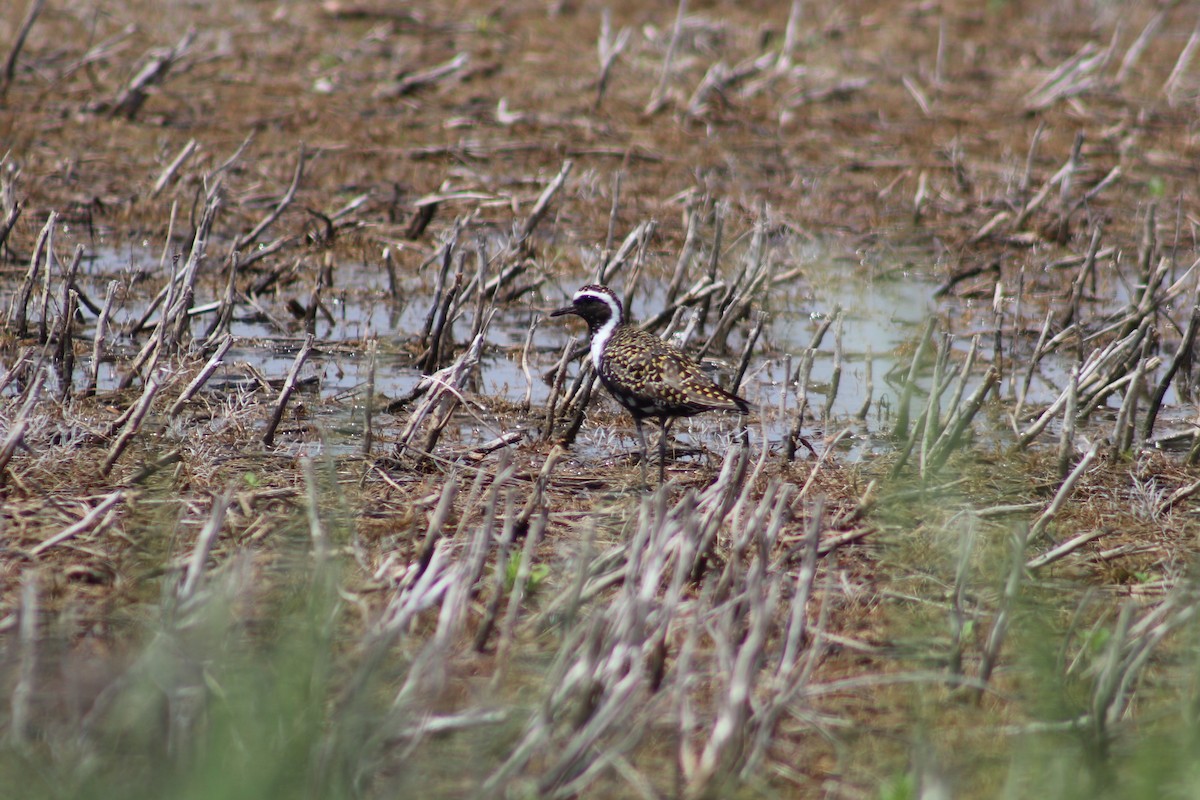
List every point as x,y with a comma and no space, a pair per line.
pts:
18,311
65,355
1181,65
152,306
720,79
791,37
103,51
442,386
804,371
794,637
1072,168
133,422
534,501
98,341
244,241
728,731
443,326
633,240
835,378
369,396
921,197
1064,493
17,428
223,167
556,385
900,428
991,648
485,303
1065,549
1135,51
389,267
1108,677
527,401
1031,156
954,408
1075,76
658,98
1066,439
1018,321
613,208
439,286
19,368
9,221
416,80
169,172
543,204
225,307
10,64
312,510
918,95
159,63
933,408
686,254
1182,352
607,50
202,377
1071,312
1043,193
1126,424
829,448
953,432
760,321
68,286
289,386
27,638
44,303
148,356
88,521
579,400
194,573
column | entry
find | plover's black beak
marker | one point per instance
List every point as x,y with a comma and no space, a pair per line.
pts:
564,310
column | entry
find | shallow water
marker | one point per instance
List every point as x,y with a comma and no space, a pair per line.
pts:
883,309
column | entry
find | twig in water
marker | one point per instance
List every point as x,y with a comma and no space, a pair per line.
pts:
244,241
202,377
98,342
1066,441
289,386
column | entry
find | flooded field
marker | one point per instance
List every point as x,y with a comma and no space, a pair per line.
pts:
303,493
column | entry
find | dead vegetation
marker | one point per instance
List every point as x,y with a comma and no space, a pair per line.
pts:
215,544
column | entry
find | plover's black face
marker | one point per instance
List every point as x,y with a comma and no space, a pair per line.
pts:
598,305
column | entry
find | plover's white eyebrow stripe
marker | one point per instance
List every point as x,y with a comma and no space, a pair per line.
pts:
593,295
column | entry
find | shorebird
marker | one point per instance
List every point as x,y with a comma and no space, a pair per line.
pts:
646,375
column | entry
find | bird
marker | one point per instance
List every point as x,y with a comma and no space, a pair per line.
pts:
649,377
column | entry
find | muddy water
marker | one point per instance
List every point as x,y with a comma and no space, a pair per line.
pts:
883,308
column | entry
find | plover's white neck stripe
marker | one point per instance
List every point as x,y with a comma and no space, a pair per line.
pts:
600,338
602,334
